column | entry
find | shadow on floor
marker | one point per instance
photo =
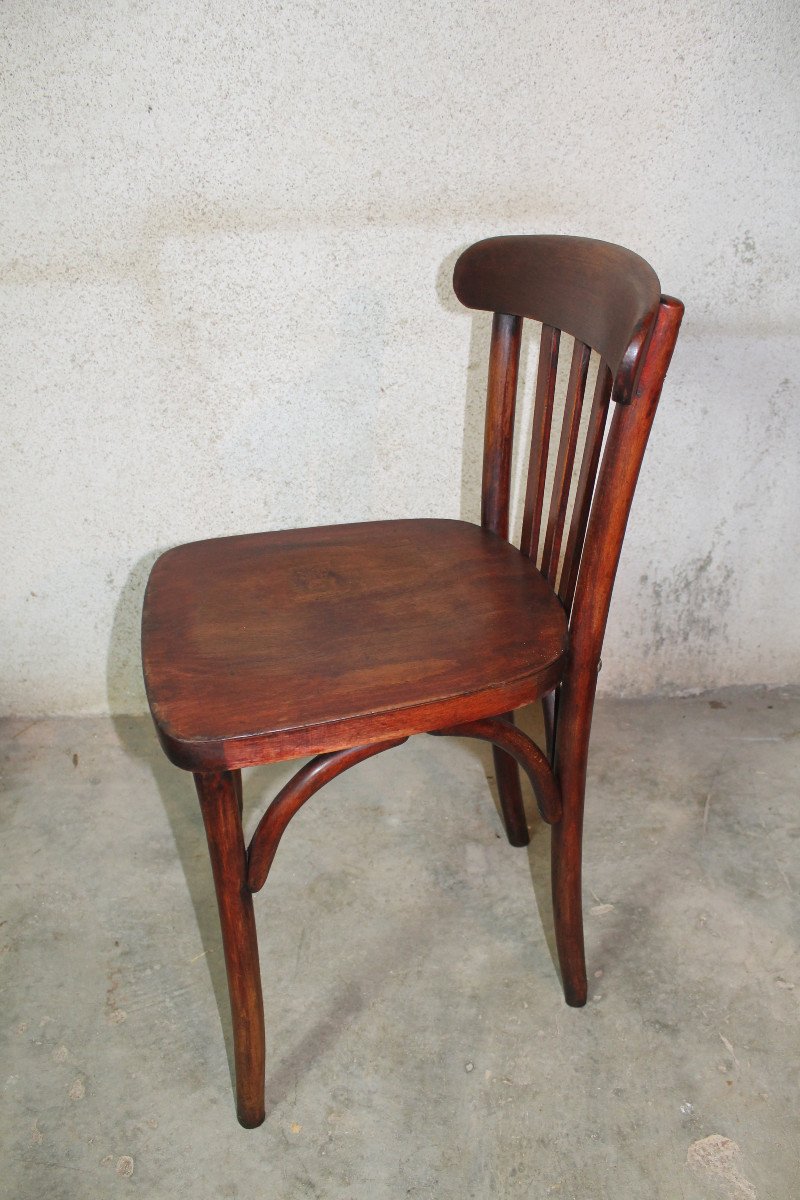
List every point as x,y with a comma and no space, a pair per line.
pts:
176,787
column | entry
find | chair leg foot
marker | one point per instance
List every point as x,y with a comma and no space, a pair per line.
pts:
506,773
567,908
250,1120
219,795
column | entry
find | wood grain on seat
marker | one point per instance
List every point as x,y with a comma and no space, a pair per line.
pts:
274,645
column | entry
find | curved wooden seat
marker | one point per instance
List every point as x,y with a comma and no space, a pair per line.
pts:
274,645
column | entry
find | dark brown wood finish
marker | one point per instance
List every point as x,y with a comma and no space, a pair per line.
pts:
568,444
627,441
599,293
509,792
501,397
585,488
502,732
499,436
301,787
342,641
340,636
540,440
219,804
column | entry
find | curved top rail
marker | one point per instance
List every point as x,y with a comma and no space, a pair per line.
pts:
599,293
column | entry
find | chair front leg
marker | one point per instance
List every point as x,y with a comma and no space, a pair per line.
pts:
220,804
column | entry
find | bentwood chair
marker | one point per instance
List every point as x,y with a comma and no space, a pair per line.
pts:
342,641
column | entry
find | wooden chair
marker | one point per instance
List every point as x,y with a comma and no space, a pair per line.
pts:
343,641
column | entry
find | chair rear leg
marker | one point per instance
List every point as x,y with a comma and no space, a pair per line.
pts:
571,755
219,795
506,773
566,839
550,717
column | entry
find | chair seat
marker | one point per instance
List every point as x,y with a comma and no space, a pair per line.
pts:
275,645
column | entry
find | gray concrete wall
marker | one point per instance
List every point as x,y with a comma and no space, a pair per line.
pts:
227,231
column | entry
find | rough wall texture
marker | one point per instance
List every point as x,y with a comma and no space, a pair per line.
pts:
227,235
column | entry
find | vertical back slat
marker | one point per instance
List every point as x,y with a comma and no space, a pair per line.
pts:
500,405
583,493
540,439
562,477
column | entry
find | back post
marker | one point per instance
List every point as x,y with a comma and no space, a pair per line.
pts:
501,399
611,506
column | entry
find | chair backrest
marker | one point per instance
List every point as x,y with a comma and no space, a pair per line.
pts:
609,300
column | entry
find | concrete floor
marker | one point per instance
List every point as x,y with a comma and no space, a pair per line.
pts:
418,1044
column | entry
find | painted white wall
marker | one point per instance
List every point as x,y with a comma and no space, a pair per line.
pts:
227,233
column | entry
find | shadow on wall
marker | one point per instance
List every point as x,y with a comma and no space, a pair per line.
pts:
475,397
477,367
124,683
